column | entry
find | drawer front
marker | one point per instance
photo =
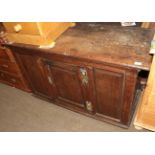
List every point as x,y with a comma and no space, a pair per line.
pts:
9,79
7,66
3,54
6,54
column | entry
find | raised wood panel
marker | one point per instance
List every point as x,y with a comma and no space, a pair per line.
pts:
109,93
36,75
68,84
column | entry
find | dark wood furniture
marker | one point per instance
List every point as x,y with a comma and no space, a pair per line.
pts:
93,70
10,72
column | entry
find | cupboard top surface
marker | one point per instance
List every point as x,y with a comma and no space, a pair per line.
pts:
124,46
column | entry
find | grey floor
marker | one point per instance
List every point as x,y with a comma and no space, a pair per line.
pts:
20,111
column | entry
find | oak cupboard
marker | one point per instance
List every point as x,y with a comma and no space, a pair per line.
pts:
89,73
103,92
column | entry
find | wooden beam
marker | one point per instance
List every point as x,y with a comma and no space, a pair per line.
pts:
145,117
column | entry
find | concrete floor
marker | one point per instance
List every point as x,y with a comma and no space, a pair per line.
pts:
20,111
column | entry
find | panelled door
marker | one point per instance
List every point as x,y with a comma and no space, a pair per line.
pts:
109,87
37,74
72,84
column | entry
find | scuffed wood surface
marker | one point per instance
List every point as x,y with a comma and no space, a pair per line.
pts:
115,45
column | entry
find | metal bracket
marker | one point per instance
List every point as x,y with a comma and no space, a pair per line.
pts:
89,106
84,76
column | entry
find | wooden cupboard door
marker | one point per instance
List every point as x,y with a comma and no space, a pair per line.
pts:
109,87
37,75
68,84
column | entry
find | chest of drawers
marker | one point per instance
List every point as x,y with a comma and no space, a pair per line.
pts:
9,70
